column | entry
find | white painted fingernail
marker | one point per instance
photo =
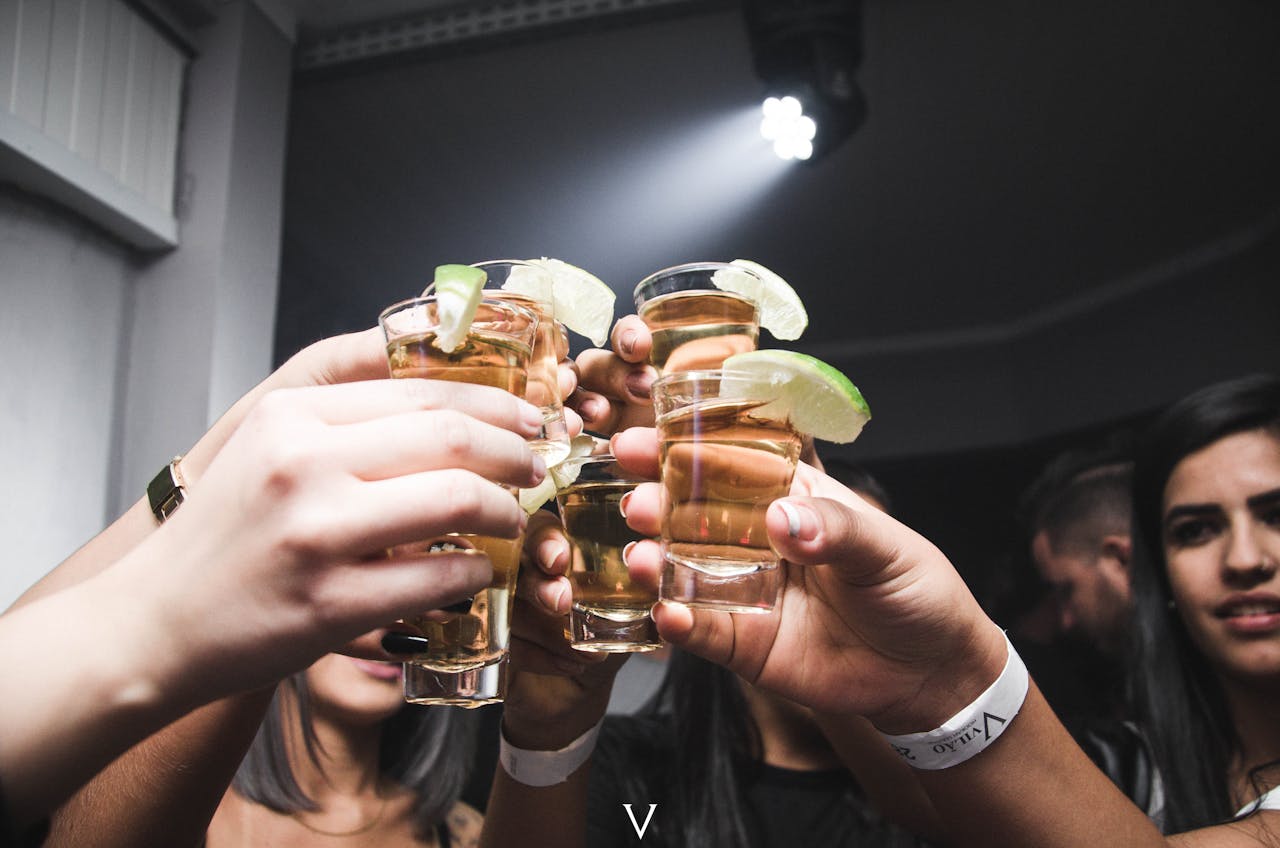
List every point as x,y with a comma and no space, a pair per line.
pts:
793,518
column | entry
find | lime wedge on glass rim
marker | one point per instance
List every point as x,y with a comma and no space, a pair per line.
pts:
781,312
559,476
457,290
819,400
580,300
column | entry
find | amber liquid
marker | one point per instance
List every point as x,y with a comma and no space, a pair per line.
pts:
478,637
543,389
598,532
699,329
722,465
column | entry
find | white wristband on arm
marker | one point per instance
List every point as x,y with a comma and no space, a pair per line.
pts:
546,768
974,728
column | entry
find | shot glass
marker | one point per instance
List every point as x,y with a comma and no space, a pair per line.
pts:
694,324
543,390
724,459
609,612
465,662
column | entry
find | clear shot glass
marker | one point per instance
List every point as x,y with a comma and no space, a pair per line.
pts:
724,459
466,658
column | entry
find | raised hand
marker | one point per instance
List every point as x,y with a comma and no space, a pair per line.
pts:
613,386
872,618
555,692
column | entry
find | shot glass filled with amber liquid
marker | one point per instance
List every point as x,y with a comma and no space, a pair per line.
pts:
725,457
609,613
695,325
466,658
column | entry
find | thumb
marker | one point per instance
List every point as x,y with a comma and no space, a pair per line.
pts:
860,543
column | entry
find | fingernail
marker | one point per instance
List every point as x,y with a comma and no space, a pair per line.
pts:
627,342
622,503
549,553
539,469
639,384
563,599
462,606
802,524
626,551
592,410
403,643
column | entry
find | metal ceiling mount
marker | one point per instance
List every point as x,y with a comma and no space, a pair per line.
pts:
473,21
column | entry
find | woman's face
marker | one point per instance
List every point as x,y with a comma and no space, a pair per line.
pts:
355,691
1222,547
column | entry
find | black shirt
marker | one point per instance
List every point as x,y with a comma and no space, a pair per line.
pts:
783,808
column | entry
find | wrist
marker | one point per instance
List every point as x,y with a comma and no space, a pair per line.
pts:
541,768
973,728
548,734
955,681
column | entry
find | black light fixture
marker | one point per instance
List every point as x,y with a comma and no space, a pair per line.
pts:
807,53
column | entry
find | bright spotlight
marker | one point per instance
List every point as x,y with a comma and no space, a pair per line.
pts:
807,52
785,124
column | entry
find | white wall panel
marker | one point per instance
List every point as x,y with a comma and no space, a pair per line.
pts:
95,79
31,68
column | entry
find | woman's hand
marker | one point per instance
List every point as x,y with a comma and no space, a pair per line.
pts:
555,692
613,387
872,618
283,542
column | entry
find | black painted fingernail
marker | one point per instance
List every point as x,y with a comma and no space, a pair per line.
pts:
403,643
462,606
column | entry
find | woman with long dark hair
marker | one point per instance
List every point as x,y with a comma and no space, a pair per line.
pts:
1206,671
341,755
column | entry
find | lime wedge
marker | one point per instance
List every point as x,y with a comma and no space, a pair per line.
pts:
781,312
818,399
457,298
531,281
559,476
583,303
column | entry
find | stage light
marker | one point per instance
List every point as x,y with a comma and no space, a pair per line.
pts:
807,53
785,124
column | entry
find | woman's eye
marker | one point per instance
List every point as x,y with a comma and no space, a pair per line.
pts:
1191,532
1270,515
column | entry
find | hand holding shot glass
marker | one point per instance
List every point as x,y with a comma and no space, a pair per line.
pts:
465,661
729,442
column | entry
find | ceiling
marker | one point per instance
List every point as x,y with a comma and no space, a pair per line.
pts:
1021,163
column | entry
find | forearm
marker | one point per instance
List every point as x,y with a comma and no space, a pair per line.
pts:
164,790
101,680
137,522
1041,789
890,784
553,816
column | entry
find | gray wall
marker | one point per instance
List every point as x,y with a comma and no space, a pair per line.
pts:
66,291
148,350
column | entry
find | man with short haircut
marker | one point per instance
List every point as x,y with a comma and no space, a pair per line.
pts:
1079,513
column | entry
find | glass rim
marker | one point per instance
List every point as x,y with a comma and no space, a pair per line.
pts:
486,262
688,267
423,299
702,374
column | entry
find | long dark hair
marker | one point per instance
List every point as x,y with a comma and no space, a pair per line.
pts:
1178,699
428,750
696,744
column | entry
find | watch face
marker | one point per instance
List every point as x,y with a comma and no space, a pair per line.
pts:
165,492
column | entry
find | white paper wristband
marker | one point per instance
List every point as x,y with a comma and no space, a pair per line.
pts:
974,728
546,768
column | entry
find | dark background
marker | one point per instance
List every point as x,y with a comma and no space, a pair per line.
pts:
1056,218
